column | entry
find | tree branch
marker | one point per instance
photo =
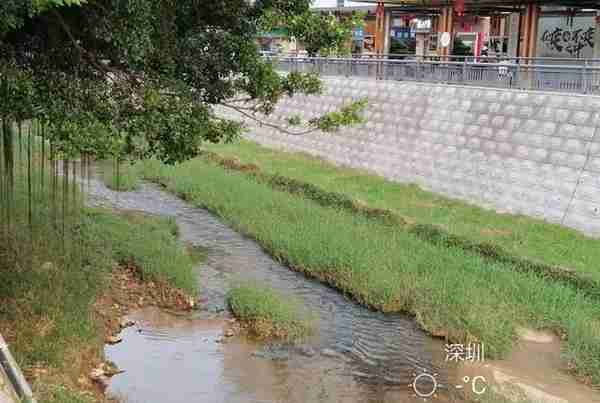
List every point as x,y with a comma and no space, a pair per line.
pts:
271,125
108,72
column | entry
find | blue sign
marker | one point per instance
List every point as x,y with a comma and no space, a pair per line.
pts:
402,33
358,33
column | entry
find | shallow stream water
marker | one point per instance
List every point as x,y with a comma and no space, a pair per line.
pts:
357,355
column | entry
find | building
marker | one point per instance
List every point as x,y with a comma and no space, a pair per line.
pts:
506,28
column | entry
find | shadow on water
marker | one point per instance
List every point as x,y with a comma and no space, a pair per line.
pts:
357,355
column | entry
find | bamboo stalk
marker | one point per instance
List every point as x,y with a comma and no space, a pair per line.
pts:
29,189
65,196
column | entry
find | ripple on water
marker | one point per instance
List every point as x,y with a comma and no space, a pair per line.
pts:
377,353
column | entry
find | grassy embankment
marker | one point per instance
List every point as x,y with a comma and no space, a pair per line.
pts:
451,291
517,236
267,313
49,286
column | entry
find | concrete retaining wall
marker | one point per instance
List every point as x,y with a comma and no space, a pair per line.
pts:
518,152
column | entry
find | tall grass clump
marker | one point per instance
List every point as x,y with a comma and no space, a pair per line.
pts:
148,242
267,313
451,292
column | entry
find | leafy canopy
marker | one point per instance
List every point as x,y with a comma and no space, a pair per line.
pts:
140,78
323,33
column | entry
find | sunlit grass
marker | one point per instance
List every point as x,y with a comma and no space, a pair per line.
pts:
521,236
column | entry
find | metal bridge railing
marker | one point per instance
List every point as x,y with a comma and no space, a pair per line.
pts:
522,74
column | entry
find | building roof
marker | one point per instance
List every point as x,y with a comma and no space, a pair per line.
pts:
487,4
347,9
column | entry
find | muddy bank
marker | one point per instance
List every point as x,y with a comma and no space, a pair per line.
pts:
535,370
127,292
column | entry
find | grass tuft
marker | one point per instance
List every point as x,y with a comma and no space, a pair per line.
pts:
268,313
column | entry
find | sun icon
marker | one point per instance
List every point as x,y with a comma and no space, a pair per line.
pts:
425,384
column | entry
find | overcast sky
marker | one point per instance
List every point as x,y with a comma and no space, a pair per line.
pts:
333,3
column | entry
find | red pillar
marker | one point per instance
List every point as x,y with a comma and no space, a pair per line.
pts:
380,28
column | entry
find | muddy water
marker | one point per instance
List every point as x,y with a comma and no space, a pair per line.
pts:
357,355
364,353
170,359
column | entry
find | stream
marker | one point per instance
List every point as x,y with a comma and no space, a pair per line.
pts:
357,355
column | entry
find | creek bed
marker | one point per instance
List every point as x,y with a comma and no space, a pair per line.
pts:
356,355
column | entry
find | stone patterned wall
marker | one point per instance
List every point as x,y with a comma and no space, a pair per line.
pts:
536,154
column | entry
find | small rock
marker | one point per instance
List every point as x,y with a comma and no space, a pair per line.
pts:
113,339
125,323
259,354
103,381
97,373
327,352
110,369
229,333
307,351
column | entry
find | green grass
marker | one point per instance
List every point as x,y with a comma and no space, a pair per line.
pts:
450,291
48,286
147,241
127,178
521,236
269,313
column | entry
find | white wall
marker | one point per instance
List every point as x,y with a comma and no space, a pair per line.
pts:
519,152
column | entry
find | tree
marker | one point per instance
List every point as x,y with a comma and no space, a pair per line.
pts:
323,33
139,78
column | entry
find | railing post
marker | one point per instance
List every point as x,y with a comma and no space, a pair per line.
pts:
584,77
464,71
